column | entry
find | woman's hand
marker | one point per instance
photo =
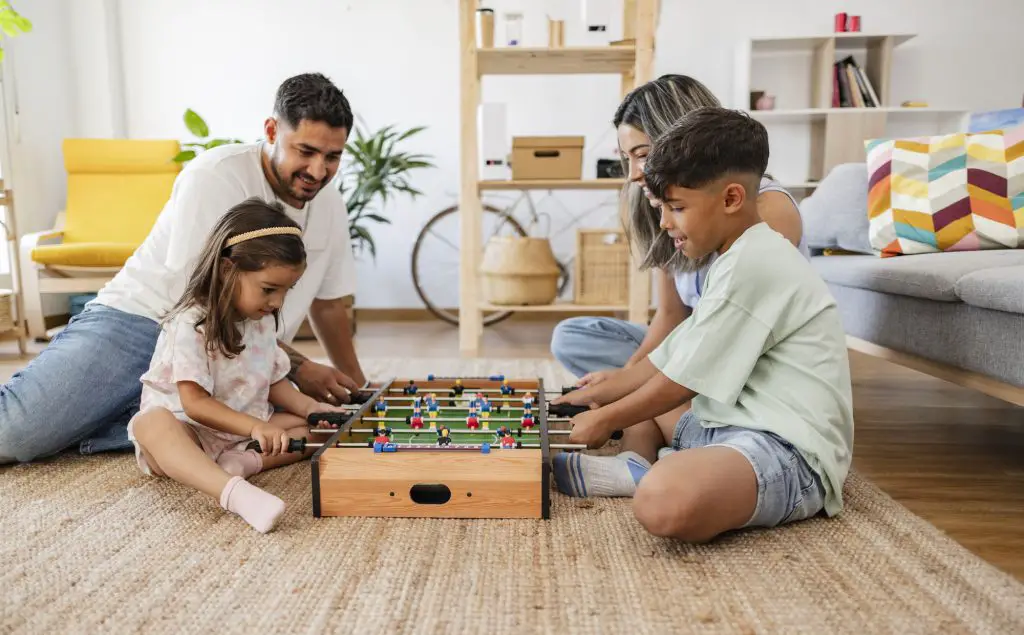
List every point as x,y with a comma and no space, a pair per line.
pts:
590,429
273,440
595,378
581,397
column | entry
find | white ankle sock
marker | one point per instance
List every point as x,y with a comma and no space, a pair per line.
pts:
578,474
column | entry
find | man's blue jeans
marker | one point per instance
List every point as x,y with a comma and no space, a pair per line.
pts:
83,388
588,344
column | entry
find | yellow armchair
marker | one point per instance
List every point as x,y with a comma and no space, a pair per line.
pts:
116,190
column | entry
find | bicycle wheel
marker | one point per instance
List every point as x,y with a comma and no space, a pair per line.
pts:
435,273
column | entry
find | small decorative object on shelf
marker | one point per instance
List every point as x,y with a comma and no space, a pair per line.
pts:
556,33
765,102
609,169
596,15
547,158
519,271
513,29
485,28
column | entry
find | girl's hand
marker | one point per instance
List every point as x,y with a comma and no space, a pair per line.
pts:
590,429
319,406
273,440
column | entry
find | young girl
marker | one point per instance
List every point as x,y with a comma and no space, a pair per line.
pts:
217,372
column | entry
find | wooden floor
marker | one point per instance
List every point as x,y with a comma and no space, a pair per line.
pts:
951,455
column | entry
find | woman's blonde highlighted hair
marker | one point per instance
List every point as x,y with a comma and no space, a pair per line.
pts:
652,109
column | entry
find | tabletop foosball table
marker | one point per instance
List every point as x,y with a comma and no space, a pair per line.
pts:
441,447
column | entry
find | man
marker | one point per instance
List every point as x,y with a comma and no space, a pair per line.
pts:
84,387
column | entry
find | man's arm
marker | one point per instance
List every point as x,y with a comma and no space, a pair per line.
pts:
334,330
295,358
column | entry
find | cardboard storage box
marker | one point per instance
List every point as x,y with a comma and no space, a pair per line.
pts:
547,158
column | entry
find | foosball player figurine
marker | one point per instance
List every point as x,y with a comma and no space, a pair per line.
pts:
471,421
432,408
380,407
527,420
416,422
506,390
417,402
506,439
485,407
382,435
443,436
411,388
527,402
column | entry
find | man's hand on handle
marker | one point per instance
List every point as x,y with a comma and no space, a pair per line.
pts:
324,383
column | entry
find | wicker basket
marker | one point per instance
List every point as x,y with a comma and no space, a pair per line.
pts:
6,310
602,267
519,271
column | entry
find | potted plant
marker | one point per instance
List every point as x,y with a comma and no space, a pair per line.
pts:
12,23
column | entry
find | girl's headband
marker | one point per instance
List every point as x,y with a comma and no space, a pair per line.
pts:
267,231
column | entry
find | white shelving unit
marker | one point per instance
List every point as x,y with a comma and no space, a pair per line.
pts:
798,70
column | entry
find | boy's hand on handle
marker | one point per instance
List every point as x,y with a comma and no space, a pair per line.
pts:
581,397
273,440
590,429
324,383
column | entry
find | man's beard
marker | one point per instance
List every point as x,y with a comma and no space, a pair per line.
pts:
287,184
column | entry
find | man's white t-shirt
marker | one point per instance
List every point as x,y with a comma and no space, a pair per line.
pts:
765,350
154,278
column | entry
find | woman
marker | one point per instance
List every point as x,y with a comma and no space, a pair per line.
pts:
591,347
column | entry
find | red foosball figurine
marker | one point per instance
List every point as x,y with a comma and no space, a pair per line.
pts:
527,420
472,422
416,422
382,436
507,441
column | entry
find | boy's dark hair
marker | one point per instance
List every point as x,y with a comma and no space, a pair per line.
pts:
705,145
211,287
312,96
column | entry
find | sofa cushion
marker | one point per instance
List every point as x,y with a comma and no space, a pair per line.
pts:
928,276
1001,289
835,215
948,192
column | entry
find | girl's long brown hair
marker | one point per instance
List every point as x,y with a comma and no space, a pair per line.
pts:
211,287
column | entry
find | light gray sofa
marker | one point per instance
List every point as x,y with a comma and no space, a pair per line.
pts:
959,316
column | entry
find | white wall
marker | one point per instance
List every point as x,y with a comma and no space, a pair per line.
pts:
397,60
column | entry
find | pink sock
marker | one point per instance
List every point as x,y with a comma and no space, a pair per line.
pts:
243,464
257,507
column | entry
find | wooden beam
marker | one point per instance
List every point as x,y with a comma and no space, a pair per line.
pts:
966,378
470,317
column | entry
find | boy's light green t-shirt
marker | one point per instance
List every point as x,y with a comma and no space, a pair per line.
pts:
765,349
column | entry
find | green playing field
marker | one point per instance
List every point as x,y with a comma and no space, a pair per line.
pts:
454,418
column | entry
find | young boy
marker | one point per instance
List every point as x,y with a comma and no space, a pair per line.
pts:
754,386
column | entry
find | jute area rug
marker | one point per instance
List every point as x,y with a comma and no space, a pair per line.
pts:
89,545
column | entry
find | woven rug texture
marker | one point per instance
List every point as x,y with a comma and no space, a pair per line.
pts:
90,545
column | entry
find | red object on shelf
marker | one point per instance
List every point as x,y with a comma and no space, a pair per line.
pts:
840,25
854,23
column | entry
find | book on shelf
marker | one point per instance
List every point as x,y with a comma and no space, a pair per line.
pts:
851,87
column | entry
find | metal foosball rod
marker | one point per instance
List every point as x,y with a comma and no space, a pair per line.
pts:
372,419
301,445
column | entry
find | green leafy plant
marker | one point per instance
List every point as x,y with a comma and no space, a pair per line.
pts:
12,23
377,171
197,126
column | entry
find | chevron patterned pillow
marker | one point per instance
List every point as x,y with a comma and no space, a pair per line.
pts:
956,192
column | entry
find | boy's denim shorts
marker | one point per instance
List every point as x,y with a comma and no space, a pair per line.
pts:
787,488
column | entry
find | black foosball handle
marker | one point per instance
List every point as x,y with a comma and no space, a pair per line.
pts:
294,445
569,410
335,418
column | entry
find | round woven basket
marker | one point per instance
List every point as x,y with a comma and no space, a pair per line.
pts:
519,271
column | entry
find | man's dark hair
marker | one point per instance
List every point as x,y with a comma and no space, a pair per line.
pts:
313,97
704,145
